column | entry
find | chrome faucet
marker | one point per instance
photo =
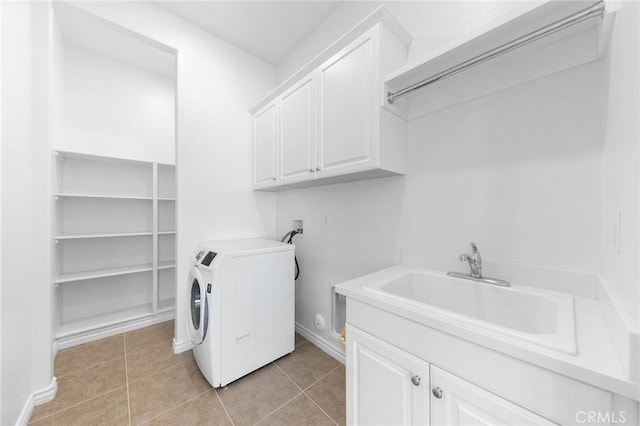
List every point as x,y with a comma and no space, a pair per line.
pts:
475,264
474,260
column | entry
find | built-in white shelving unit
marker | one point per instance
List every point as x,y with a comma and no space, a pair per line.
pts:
115,245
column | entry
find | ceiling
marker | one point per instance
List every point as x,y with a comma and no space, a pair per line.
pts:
268,30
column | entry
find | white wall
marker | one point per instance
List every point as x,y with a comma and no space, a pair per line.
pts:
115,109
621,157
333,27
217,85
519,172
47,58
17,286
430,23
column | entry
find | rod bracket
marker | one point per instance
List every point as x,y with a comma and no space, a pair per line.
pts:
390,98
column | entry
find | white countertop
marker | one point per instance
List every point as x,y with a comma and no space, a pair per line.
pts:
596,363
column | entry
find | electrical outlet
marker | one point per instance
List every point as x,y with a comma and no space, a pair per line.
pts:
298,225
319,322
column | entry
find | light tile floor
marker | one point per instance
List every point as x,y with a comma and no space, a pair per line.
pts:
134,378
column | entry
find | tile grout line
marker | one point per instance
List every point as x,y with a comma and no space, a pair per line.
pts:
88,367
126,376
155,373
288,401
322,378
303,391
287,376
78,403
279,407
126,385
176,406
224,407
318,405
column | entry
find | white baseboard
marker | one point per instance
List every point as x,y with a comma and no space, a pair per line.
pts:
27,411
37,398
321,343
46,394
91,335
183,346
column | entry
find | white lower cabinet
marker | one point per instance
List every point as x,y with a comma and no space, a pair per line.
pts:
456,402
388,386
385,386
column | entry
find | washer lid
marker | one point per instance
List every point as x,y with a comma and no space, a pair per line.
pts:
248,246
198,312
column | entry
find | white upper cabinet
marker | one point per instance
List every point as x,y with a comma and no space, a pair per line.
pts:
265,135
348,87
456,402
298,131
334,124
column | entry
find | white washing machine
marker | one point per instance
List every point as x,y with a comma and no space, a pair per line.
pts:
241,306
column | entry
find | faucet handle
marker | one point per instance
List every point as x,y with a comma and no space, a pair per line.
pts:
464,257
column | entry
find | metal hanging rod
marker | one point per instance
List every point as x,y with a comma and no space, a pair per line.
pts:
597,9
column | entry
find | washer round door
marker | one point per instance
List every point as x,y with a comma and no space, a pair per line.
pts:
198,315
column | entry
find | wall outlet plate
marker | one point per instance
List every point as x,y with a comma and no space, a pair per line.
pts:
298,225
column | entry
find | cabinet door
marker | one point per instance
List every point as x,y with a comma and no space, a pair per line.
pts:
457,402
348,85
298,131
264,146
385,386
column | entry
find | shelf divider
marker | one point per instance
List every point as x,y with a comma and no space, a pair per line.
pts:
156,184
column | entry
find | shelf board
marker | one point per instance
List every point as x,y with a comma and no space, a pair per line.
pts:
112,235
166,199
166,232
101,158
102,273
101,196
104,320
166,305
167,264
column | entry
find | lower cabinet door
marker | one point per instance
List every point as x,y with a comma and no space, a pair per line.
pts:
457,402
385,386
